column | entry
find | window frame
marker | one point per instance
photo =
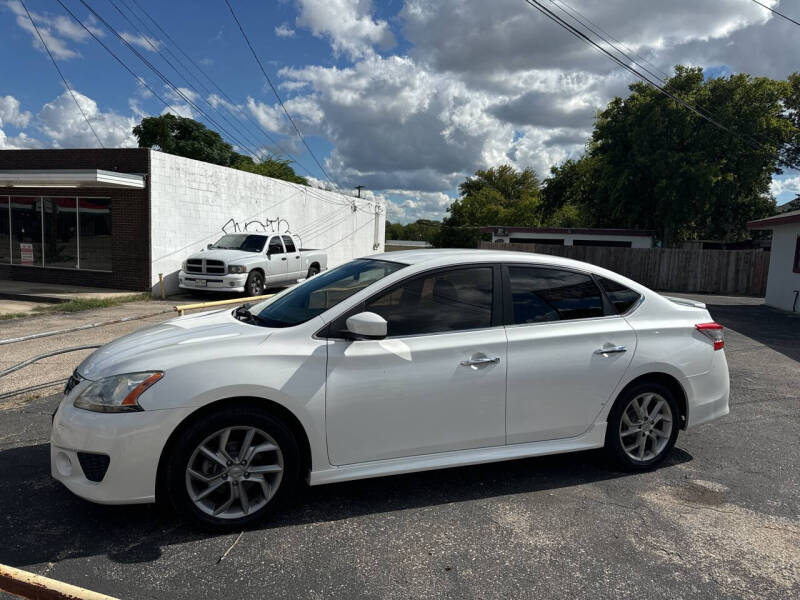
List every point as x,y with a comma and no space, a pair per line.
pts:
284,236
269,243
334,331
609,311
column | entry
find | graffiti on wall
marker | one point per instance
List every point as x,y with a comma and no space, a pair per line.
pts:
276,225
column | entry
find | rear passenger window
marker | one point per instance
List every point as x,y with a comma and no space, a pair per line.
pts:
621,297
541,294
289,243
445,301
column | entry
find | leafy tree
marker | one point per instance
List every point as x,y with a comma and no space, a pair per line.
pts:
495,196
653,164
421,230
188,138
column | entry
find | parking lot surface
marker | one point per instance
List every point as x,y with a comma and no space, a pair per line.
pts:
720,520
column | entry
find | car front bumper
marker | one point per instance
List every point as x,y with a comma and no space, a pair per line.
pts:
213,283
133,443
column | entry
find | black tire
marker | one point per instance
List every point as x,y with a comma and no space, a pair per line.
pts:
182,451
614,447
254,286
312,270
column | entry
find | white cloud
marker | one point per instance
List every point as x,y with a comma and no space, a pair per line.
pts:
10,113
786,184
64,125
17,142
57,30
348,24
269,117
142,41
284,31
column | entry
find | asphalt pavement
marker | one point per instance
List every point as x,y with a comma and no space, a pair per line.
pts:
720,520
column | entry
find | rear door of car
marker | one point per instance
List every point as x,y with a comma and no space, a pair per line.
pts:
436,383
278,260
568,348
293,257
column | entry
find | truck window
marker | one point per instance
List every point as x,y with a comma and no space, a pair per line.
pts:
289,243
275,246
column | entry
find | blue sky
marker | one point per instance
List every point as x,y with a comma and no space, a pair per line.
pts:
406,97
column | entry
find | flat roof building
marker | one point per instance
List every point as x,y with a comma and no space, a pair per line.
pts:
117,218
572,236
783,280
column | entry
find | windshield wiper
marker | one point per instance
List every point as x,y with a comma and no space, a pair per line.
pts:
243,314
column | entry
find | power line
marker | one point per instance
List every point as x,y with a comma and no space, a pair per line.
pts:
138,78
780,14
202,72
275,91
163,77
582,36
64,79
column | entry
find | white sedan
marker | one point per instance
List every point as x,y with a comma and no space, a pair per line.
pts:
390,364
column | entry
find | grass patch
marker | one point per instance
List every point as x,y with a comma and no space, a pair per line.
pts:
80,304
7,316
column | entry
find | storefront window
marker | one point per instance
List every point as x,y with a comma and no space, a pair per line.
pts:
60,233
5,232
94,215
26,231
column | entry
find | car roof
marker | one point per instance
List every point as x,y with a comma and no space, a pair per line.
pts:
434,257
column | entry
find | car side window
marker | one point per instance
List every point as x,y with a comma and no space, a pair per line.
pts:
289,243
620,296
275,245
454,300
540,294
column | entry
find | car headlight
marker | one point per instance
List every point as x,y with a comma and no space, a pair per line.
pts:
235,269
183,266
119,393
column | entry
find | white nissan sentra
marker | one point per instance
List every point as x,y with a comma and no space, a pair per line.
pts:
394,363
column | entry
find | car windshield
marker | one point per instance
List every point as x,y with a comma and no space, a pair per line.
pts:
240,241
313,297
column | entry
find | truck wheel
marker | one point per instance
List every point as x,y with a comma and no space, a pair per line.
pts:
254,286
312,270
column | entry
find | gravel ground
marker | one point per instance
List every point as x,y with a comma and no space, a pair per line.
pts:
720,520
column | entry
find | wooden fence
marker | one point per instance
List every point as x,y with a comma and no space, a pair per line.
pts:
672,269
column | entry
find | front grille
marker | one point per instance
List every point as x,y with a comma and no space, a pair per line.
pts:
194,265
94,465
215,267
73,380
210,267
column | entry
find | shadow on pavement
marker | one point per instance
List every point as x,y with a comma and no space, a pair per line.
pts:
774,328
41,521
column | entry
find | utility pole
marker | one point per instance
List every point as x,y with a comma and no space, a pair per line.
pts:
358,187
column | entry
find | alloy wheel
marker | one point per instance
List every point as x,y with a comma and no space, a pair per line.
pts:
646,427
234,472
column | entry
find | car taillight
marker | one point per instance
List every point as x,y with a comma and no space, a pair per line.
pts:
714,332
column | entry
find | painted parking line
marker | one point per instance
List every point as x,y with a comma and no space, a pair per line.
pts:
30,585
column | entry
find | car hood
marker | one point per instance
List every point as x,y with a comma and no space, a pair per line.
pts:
228,256
175,342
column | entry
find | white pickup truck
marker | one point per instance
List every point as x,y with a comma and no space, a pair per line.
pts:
249,262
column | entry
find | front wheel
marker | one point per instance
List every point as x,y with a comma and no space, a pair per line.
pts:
642,427
231,467
254,286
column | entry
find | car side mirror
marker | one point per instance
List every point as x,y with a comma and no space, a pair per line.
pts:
367,326
209,246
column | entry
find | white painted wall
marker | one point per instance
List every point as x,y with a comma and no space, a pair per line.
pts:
191,201
782,282
637,241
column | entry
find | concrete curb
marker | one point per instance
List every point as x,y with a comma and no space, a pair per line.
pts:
29,585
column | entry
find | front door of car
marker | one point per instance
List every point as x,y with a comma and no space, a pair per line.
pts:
566,353
278,260
436,383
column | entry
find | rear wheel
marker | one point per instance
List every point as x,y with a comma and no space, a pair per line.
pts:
312,270
231,467
254,286
642,426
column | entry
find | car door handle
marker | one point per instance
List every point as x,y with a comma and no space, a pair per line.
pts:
483,360
284,258
611,350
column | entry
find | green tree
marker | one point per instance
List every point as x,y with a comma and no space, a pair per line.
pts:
188,138
653,164
496,196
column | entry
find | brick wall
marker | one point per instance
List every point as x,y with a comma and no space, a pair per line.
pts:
130,215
